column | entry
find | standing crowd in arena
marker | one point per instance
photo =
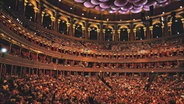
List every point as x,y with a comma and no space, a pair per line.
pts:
72,89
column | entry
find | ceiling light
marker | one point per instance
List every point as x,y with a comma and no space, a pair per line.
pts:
3,50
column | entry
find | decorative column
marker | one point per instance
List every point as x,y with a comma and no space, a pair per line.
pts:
169,29
151,32
39,14
70,30
145,33
53,23
113,35
42,15
101,32
83,32
56,22
98,34
128,34
88,33
165,32
148,31
132,34
116,35
35,14
103,35
86,30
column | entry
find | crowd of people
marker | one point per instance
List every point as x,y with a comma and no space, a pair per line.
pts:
96,89
119,50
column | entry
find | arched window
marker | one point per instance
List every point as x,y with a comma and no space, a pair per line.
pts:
157,30
93,33
29,12
78,31
123,34
139,33
108,34
63,27
47,21
177,26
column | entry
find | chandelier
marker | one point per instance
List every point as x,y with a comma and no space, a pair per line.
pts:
123,6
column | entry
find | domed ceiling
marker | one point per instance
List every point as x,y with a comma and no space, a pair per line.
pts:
115,9
123,6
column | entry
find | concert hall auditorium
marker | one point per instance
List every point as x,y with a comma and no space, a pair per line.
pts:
91,51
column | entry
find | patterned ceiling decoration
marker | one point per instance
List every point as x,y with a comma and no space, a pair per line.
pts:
123,6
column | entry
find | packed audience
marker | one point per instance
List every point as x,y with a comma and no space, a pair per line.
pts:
43,58
97,89
151,49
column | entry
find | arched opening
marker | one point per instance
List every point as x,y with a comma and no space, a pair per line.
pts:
157,30
93,33
29,12
108,34
78,31
47,21
140,33
177,26
63,27
123,34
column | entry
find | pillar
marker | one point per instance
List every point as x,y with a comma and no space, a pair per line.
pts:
165,32
132,32
151,32
98,34
39,13
116,35
133,36
56,22
53,23
145,33
70,30
128,34
101,32
36,13
148,32
86,30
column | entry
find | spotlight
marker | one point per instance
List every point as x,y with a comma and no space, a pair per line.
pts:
3,50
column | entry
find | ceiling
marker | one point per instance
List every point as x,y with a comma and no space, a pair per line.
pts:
116,9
